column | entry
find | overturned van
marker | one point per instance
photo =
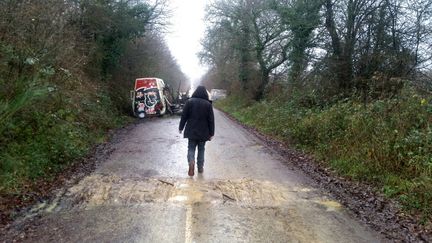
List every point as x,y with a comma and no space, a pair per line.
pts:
148,97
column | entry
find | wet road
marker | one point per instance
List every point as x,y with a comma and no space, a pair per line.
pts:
142,193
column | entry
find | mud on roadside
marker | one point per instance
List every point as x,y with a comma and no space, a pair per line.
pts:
14,206
368,205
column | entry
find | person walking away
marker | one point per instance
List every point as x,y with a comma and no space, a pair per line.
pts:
200,127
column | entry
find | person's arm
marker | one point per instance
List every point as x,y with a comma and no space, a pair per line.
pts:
211,122
184,117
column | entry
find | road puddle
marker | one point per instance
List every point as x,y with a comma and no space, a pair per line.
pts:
187,193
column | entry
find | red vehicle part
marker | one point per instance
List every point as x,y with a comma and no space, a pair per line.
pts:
146,83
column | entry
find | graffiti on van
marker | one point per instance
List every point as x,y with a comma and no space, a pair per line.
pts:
147,98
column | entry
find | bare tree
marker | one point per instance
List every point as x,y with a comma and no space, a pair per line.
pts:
272,41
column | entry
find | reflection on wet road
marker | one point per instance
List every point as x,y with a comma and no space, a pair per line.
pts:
142,194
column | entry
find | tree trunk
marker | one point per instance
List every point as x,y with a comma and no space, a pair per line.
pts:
265,78
342,63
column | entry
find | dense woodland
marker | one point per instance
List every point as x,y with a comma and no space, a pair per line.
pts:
334,47
347,80
66,69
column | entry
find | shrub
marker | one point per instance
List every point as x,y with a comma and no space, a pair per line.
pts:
387,142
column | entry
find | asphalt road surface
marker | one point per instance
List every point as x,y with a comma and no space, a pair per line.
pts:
142,193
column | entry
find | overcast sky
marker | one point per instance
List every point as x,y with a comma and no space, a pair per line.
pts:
186,31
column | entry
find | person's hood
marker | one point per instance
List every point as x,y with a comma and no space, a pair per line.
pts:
201,92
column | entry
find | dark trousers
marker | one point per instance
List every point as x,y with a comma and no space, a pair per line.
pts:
192,144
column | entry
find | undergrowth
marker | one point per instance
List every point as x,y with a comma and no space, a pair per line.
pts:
42,134
387,142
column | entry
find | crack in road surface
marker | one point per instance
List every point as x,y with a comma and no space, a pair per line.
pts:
142,193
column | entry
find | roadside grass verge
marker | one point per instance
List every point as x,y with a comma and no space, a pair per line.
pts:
387,142
46,134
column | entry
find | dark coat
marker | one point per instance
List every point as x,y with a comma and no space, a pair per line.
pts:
198,117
